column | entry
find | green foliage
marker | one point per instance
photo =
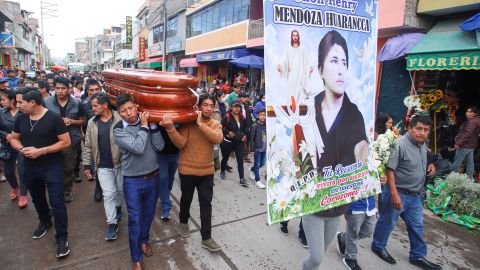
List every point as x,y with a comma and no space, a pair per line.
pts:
464,193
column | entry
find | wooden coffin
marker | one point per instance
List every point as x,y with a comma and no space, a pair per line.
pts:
155,91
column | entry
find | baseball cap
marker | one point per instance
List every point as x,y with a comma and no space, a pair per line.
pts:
3,79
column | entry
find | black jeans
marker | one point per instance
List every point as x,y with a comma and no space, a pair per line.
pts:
204,185
9,168
39,178
227,149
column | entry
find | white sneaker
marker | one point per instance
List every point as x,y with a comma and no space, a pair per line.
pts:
259,184
252,175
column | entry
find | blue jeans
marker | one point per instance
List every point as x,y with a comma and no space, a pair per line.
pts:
168,166
259,161
141,197
411,213
460,155
39,178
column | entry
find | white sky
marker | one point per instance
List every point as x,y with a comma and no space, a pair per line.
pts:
80,18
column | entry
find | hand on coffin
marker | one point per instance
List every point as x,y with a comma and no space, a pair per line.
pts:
167,122
199,117
144,118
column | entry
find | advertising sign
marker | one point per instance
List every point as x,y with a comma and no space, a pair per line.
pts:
128,31
141,49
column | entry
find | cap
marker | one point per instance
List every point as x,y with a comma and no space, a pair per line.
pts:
235,102
3,79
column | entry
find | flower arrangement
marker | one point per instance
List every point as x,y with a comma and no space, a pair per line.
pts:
433,101
382,149
462,194
214,77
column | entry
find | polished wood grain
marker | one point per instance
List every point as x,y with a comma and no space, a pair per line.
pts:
155,91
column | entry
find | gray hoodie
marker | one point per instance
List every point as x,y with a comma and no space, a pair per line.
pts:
138,146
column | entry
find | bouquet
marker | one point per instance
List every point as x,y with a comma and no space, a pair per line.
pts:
383,148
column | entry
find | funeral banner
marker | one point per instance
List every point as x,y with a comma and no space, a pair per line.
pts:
320,91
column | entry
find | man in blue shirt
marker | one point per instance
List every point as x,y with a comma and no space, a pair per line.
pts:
11,79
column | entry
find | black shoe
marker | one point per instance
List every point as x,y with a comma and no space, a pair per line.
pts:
303,241
383,254
228,168
97,195
340,244
119,216
425,264
76,177
112,232
351,264
63,248
284,227
68,197
41,229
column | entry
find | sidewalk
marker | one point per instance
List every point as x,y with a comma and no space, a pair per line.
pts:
239,226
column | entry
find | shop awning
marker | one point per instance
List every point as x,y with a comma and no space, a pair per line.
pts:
151,63
223,55
189,62
445,47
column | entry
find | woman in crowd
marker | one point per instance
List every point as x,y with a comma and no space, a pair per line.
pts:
8,114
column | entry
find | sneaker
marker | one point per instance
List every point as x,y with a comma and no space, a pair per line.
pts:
259,184
165,215
98,195
22,202
3,179
340,244
243,182
211,245
63,248
184,230
252,175
119,216
68,197
112,232
228,168
14,194
41,229
351,264
284,228
303,241
222,175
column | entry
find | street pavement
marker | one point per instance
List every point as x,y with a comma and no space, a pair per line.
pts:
239,226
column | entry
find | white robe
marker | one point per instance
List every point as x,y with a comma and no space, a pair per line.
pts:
295,68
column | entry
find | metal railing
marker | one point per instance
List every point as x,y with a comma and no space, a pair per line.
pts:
255,29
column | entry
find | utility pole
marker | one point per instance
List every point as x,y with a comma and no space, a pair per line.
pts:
164,49
47,11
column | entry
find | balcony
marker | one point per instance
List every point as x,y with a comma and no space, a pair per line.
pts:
255,29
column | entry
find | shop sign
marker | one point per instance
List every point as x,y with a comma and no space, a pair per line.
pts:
141,49
128,37
7,40
174,45
155,49
444,61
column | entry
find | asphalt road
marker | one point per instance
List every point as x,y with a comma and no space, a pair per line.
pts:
239,226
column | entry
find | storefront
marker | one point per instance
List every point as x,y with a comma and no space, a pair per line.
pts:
153,63
215,65
445,68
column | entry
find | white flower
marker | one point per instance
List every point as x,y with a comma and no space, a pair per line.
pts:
310,189
280,194
306,148
296,208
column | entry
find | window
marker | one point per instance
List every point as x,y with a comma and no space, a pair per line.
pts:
172,27
218,15
158,34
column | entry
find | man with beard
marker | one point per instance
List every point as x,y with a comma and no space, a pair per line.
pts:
293,67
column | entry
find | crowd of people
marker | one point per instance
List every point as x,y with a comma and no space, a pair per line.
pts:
51,124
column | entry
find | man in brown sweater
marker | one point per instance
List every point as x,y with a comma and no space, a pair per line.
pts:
196,166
